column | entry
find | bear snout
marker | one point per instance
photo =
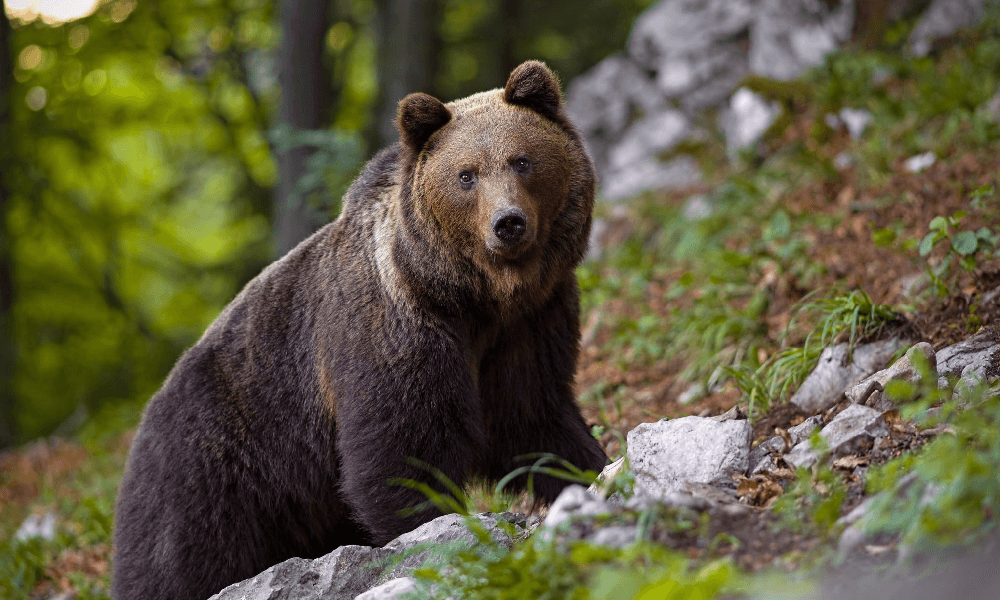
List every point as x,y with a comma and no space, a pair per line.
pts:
509,225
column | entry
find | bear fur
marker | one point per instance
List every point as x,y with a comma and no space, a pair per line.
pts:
437,318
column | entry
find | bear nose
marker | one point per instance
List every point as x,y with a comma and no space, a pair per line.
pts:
509,225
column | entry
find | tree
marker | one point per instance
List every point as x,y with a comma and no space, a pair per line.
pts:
405,32
305,102
7,350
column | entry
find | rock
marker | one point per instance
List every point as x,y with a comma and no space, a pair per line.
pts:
789,36
603,99
650,174
714,494
351,570
761,457
390,590
990,297
667,454
869,390
831,377
747,118
643,500
692,393
607,475
978,356
575,501
696,208
943,18
336,576
918,163
43,526
648,137
852,431
761,462
991,108
843,161
615,536
736,413
689,43
803,430
856,120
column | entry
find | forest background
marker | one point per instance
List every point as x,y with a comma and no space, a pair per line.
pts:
156,155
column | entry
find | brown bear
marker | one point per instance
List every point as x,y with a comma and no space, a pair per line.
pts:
436,319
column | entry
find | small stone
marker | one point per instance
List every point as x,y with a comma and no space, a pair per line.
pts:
40,526
854,430
803,430
802,456
692,393
575,501
748,117
918,163
856,120
697,207
607,475
764,464
843,161
616,536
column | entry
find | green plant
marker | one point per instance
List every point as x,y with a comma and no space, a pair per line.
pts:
947,492
853,315
545,567
964,248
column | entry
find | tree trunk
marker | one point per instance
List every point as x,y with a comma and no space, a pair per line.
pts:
406,38
305,101
7,348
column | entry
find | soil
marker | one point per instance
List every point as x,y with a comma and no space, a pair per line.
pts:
893,274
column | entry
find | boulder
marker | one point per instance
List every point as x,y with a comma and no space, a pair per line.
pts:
833,374
977,356
943,18
666,455
788,36
650,173
352,570
688,43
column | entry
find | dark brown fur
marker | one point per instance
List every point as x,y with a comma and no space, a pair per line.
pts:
403,329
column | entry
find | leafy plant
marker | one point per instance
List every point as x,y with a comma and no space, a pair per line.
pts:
948,491
964,248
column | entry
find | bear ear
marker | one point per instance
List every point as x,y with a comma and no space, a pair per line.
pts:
534,86
419,116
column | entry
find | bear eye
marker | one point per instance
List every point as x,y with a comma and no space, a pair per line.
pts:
522,165
466,178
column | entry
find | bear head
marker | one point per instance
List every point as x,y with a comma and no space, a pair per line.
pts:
502,180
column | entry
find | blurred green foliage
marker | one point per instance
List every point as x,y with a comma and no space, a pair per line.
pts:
140,166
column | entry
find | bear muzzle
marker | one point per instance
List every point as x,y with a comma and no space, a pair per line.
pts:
512,233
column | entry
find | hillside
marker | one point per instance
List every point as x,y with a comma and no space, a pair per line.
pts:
718,296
